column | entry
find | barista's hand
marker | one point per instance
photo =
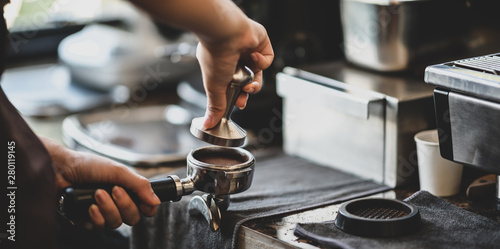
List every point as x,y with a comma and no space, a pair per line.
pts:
250,46
73,167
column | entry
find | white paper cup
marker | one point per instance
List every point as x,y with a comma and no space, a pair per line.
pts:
438,176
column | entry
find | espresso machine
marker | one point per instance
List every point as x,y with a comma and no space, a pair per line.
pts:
467,105
218,171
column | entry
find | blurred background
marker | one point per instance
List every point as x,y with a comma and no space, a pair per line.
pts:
106,52
102,76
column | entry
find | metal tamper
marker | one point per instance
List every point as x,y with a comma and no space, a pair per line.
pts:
226,132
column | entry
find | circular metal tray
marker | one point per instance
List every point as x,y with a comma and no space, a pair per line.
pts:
143,137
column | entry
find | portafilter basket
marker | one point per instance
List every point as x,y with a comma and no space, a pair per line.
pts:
378,217
220,170
217,171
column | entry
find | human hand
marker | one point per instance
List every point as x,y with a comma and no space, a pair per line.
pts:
250,47
72,168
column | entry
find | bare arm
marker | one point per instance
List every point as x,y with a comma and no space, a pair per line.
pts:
211,20
227,36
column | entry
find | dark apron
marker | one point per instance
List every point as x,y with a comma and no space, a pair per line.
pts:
33,191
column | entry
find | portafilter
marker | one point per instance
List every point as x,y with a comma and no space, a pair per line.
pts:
217,171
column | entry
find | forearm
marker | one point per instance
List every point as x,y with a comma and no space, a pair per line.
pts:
211,20
56,150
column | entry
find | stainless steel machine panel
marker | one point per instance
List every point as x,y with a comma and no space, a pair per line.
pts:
467,100
386,35
478,76
334,127
467,130
474,132
355,120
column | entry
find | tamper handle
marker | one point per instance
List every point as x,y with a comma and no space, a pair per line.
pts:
242,77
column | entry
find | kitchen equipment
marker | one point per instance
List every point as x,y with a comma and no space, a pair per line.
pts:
378,217
387,35
47,90
103,57
354,120
226,132
217,171
148,136
467,102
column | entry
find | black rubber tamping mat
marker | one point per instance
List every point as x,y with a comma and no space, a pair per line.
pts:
378,217
443,225
282,184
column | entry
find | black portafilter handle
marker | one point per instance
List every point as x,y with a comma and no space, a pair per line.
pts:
74,202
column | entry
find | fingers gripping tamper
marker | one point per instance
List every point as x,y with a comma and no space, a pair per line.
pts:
226,132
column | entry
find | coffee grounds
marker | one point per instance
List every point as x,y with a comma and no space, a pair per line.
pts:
218,160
